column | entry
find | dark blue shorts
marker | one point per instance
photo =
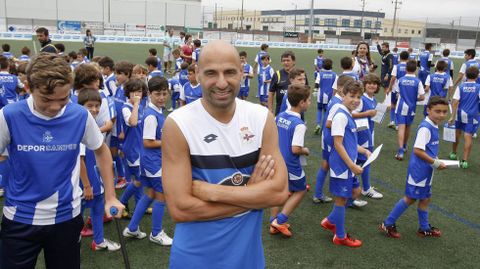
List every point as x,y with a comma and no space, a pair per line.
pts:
297,185
393,98
321,106
243,92
21,244
263,98
135,171
113,142
468,128
343,187
418,193
154,183
407,120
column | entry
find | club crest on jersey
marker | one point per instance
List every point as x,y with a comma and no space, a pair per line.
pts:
47,137
236,179
246,135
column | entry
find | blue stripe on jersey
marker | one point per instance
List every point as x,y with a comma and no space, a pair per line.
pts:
108,83
327,78
423,58
286,124
24,58
246,81
151,158
155,73
352,74
408,89
119,100
350,142
111,105
395,58
326,132
418,169
39,189
224,161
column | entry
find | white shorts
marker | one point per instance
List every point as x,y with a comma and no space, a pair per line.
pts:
167,57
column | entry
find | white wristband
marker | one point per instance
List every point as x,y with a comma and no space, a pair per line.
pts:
436,163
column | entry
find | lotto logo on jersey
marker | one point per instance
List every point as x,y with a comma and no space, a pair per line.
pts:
246,135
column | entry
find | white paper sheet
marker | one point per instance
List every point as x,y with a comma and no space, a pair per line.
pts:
373,157
381,111
451,164
449,133
362,124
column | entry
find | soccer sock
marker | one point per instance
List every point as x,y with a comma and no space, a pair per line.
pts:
157,217
349,202
129,191
340,221
282,218
423,219
128,174
4,171
321,175
96,213
366,178
396,212
140,209
392,115
138,194
319,116
119,164
174,103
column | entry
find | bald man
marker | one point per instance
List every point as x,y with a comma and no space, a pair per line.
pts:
221,166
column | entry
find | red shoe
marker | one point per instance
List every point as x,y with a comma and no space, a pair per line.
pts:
390,231
308,187
106,219
283,228
433,232
272,230
86,232
89,222
327,225
347,241
121,183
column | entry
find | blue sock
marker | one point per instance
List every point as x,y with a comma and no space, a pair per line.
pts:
282,218
138,194
96,212
396,212
272,218
319,116
128,174
140,209
119,164
423,220
366,178
157,217
404,146
321,175
392,115
4,172
337,217
349,202
129,191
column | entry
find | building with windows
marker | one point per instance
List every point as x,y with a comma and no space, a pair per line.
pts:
403,28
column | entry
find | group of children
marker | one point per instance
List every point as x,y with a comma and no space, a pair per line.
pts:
128,103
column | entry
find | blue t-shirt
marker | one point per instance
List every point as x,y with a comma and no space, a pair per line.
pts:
155,73
183,77
133,137
286,123
151,158
119,99
420,172
365,137
192,93
401,70
469,98
395,58
7,55
319,62
8,89
326,80
408,89
439,84
424,58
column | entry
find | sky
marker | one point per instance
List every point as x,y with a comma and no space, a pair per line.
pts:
445,12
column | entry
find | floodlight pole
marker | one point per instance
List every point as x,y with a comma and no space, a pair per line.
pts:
310,24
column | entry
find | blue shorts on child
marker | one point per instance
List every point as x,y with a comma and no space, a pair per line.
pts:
418,193
263,98
295,185
469,128
407,120
340,187
243,92
154,183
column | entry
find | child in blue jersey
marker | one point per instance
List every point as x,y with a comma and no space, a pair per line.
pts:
106,67
266,74
420,172
439,84
43,133
425,63
151,166
327,143
343,170
258,61
395,55
450,66
469,56
247,76
196,51
132,113
25,57
291,135
410,91
192,89
295,76
175,88
412,55
91,183
72,56
183,74
152,67
8,84
178,62
140,71
318,63
366,110
123,72
347,69
465,115
324,82
6,51
153,52
398,71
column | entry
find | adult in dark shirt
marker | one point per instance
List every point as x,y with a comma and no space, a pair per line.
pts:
42,36
387,63
279,85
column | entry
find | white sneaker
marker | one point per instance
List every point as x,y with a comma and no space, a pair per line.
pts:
474,135
162,239
391,124
372,193
359,203
107,245
136,234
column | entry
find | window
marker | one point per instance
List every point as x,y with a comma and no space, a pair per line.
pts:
419,32
265,28
399,30
413,32
307,21
357,23
345,23
406,31
378,25
330,22
316,21
230,26
368,24
248,27
385,30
